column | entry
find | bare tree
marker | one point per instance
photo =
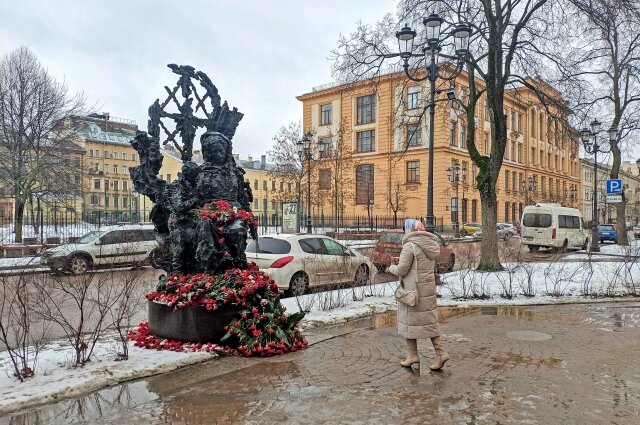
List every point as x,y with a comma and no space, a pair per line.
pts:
288,165
610,59
504,32
34,141
397,201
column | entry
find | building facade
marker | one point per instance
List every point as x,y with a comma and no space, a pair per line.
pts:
109,195
606,211
383,130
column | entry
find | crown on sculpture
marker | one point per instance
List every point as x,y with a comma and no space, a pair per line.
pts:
215,116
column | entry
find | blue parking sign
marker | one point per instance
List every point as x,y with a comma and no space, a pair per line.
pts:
614,187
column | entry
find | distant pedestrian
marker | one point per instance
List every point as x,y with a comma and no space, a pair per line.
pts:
415,267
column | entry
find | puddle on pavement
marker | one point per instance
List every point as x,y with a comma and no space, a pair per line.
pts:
127,395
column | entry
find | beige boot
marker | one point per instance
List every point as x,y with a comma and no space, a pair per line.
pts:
441,356
412,353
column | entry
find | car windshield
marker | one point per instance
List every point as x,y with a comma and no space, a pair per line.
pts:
267,245
89,237
391,237
607,227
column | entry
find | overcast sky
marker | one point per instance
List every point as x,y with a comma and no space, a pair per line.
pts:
260,54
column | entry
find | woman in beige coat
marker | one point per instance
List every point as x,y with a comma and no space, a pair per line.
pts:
415,267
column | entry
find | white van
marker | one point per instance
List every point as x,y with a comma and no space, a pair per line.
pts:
552,226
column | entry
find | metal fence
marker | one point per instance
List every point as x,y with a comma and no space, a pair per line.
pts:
63,226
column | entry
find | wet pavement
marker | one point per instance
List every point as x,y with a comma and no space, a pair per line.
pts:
569,364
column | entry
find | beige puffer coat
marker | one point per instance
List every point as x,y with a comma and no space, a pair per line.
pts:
421,320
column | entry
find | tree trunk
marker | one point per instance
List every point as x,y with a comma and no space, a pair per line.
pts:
621,222
17,219
489,258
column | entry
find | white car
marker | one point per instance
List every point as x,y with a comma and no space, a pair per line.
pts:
298,262
110,245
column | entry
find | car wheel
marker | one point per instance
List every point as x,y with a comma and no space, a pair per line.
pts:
463,232
533,248
79,265
154,260
362,275
299,284
451,263
381,267
563,248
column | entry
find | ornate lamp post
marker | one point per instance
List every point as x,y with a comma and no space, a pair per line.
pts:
591,146
526,186
431,53
453,174
305,152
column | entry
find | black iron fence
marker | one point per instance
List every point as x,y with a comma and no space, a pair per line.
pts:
64,226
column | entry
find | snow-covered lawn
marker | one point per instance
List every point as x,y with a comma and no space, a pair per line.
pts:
55,379
561,282
19,262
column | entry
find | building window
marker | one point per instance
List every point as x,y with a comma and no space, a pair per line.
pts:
124,156
519,153
364,184
94,199
366,141
473,176
541,127
125,185
115,185
327,142
474,210
463,136
281,186
413,97
487,148
133,156
115,156
106,168
325,179
96,183
506,180
487,112
513,211
125,202
465,203
366,109
273,185
325,114
90,153
255,185
106,154
124,169
519,122
413,135
514,183
413,171
264,185
506,212
533,123
115,202
106,201
452,134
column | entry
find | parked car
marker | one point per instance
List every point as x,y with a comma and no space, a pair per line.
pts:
469,228
389,245
298,262
607,232
636,231
552,226
108,246
504,230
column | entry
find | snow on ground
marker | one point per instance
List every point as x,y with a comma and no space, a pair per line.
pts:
55,378
549,282
19,262
7,235
610,251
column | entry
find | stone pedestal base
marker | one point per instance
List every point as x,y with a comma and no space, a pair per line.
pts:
189,324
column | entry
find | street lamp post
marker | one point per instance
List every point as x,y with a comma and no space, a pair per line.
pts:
453,174
431,52
529,185
591,146
305,152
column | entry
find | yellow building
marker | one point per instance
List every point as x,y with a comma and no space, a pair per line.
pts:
270,189
109,196
383,129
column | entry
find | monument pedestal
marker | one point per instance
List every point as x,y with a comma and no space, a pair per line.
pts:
193,323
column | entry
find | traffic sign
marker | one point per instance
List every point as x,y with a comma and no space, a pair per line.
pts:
614,187
614,199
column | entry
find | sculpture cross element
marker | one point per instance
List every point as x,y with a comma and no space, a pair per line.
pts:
220,119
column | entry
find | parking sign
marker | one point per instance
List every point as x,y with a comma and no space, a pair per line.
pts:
614,187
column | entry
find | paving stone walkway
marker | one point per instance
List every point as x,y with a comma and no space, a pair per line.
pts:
570,364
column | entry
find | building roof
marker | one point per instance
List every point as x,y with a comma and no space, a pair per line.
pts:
106,129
